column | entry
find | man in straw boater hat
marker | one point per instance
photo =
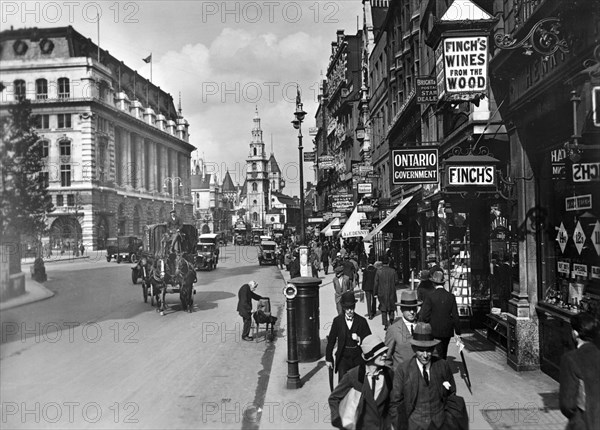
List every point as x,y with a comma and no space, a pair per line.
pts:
440,310
398,336
347,330
421,386
373,379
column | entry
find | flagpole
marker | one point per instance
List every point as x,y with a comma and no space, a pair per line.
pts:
98,31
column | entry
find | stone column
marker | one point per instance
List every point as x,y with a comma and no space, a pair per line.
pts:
523,327
127,158
142,163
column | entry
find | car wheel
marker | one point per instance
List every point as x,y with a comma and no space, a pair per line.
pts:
108,258
119,259
133,258
134,276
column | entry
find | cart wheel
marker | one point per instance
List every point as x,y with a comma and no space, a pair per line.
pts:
134,276
133,258
145,292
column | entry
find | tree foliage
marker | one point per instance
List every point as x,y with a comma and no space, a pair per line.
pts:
24,201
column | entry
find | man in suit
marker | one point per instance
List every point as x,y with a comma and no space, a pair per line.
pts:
421,386
373,379
347,331
425,285
341,284
295,265
440,310
367,285
174,224
244,307
386,280
398,336
579,395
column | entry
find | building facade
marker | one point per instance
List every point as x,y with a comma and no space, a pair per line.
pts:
117,152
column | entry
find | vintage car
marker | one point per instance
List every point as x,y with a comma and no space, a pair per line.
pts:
123,248
267,252
240,239
207,252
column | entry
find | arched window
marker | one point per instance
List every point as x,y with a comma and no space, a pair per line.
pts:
41,89
253,166
64,88
254,186
254,151
20,89
254,216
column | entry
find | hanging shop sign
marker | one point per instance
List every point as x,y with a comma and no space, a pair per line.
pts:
561,237
342,202
426,90
415,166
365,208
316,220
365,223
578,203
313,131
465,62
309,157
481,176
364,188
579,270
326,162
559,169
579,237
586,172
595,272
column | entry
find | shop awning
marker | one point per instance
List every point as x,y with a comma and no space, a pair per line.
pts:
369,237
328,231
352,227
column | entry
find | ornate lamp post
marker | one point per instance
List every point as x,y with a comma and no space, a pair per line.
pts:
173,180
297,123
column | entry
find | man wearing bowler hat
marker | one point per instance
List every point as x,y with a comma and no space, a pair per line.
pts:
421,385
399,335
347,331
440,310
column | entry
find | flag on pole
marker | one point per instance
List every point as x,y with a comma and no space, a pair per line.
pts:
147,59
298,99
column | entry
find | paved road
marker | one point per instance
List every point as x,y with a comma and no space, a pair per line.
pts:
96,356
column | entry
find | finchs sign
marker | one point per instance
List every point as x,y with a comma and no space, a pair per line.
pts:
465,66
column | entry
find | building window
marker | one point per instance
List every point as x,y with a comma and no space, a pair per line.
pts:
254,186
59,200
65,175
20,89
65,148
254,202
44,179
254,216
253,166
41,89
45,148
42,121
70,199
64,120
64,88
255,151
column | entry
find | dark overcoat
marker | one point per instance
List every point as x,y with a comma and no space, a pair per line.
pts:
386,280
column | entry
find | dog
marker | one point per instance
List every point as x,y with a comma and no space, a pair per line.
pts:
261,317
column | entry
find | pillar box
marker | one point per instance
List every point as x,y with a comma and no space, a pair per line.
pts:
307,318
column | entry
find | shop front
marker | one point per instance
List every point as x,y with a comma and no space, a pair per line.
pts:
555,145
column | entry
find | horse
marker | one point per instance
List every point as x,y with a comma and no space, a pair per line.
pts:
175,270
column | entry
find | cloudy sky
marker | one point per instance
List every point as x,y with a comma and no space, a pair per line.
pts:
225,57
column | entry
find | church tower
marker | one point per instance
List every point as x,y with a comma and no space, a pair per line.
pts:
257,179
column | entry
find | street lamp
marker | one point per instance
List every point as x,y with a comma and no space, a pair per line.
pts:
173,180
297,123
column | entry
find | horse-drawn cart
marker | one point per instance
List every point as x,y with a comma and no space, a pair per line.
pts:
165,267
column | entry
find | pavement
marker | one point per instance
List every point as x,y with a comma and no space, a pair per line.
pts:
500,397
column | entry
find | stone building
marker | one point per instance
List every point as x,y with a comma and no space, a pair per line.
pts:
117,151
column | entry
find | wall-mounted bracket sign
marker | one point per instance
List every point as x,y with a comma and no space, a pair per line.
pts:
564,267
578,203
471,175
365,188
415,166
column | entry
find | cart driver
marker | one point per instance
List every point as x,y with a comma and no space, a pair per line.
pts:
173,226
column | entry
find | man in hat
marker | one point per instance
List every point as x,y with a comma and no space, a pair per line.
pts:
341,284
386,280
346,331
421,385
425,285
295,265
440,310
174,224
373,379
399,335
244,307
367,285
